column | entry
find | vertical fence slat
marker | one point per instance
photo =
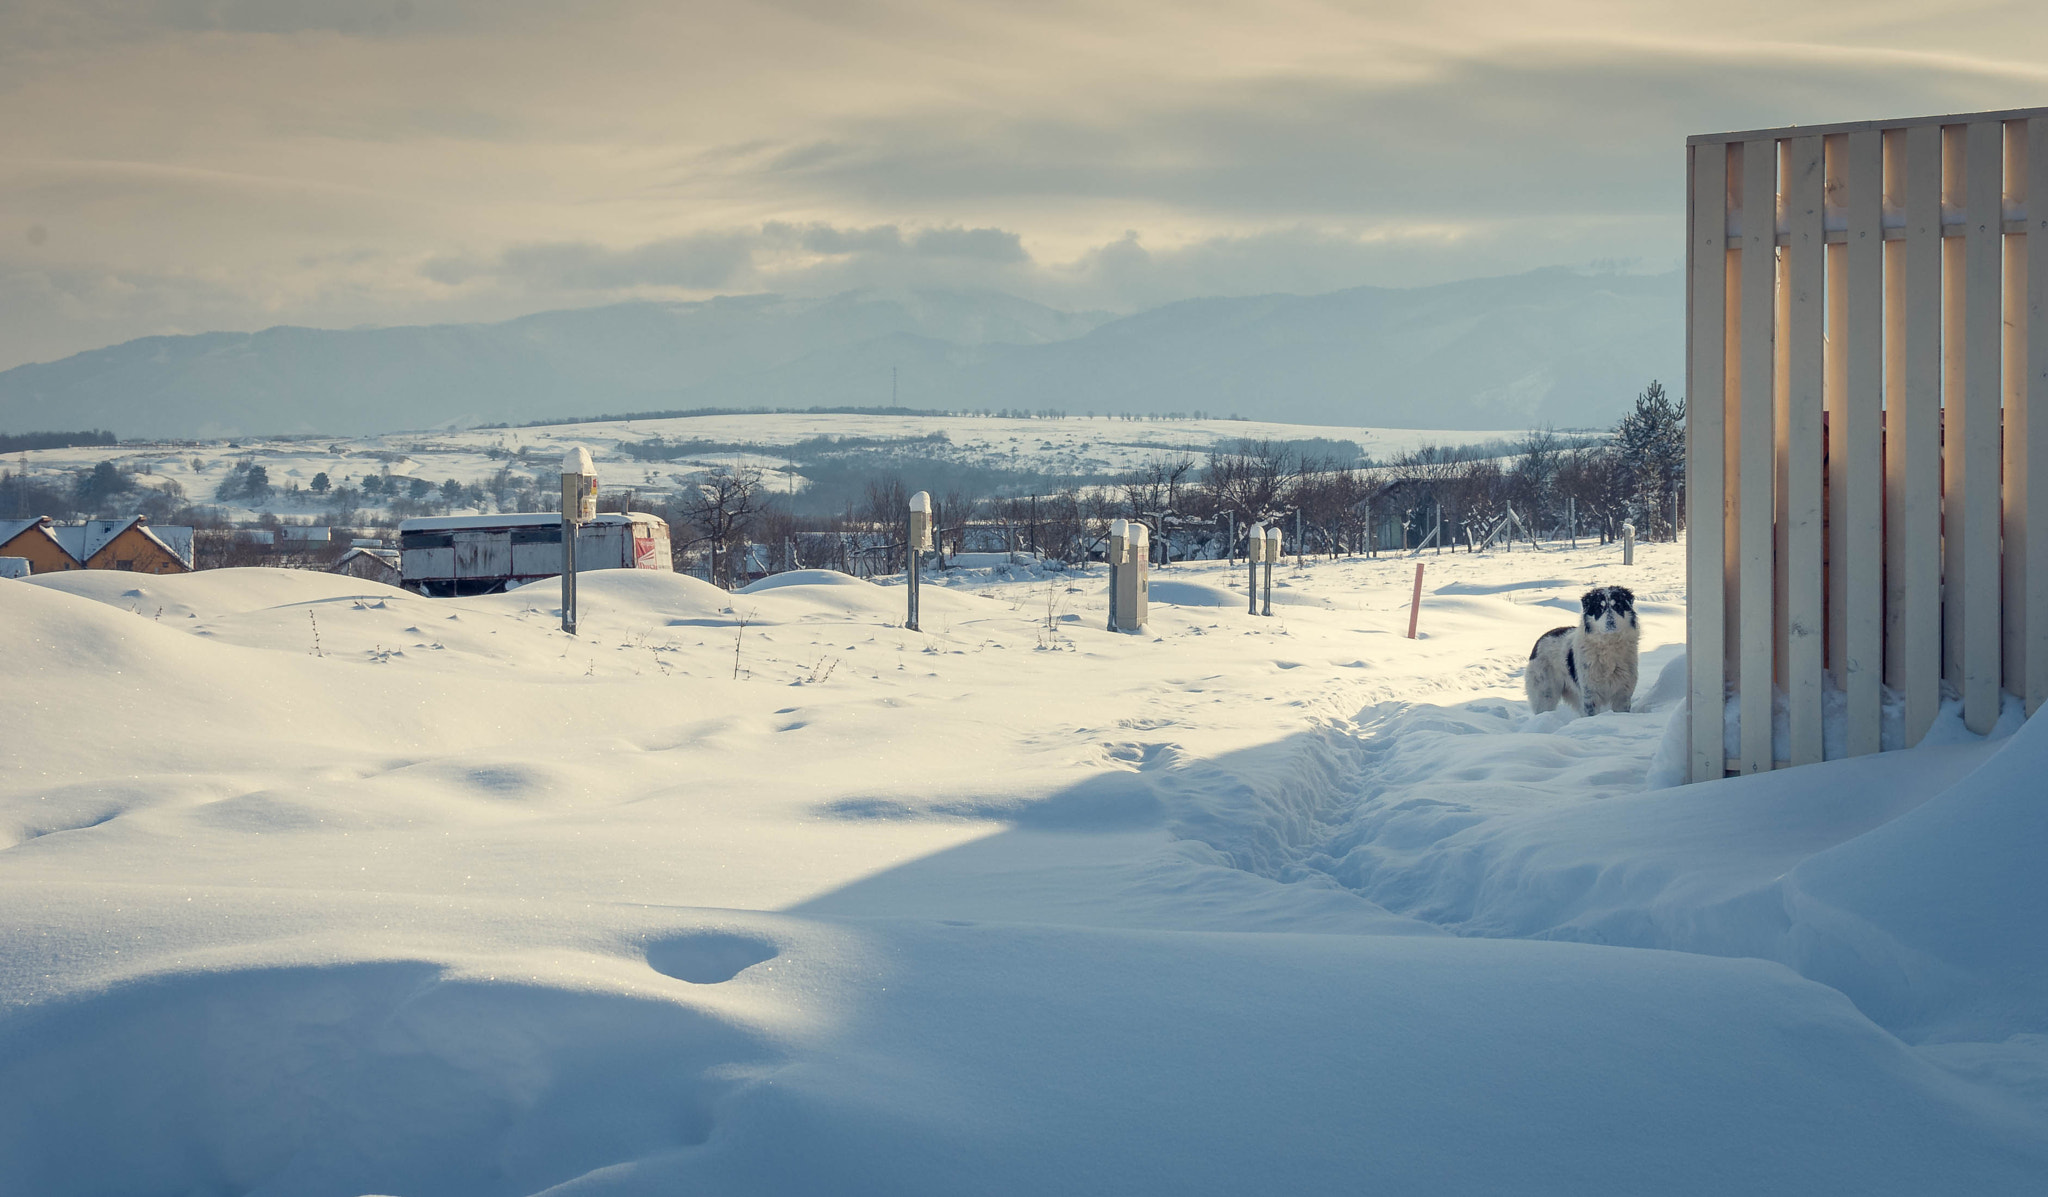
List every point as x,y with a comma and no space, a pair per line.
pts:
1913,428
2013,606
1858,504
1974,459
1754,468
2034,365
1804,266
1706,333
1834,382
1954,268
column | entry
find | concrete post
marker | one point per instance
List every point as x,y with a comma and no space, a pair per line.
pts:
1115,554
1272,555
917,539
579,503
1628,544
1135,604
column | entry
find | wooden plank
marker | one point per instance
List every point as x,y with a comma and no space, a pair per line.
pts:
2013,605
1833,386
1834,382
1803,266
1781,461
1706,355
1954,266
1913,429
1755,459
1859,504
2034,424
1974,445
1731,431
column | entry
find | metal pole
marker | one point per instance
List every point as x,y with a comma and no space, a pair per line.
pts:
579,490
1254,548
1439,533
1571,507
568,575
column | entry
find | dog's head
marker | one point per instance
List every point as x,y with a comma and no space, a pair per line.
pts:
1606,609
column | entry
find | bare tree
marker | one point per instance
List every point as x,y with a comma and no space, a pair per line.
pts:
722,509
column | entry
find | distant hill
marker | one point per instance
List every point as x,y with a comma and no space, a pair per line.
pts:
1551,346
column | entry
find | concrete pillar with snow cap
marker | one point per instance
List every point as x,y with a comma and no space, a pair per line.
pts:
1139,608
1116,552
917,539
579,503
1272,555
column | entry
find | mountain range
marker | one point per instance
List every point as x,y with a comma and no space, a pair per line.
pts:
1552,346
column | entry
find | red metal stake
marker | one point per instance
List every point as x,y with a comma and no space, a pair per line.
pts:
1415,603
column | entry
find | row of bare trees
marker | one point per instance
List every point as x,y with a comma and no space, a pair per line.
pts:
727,525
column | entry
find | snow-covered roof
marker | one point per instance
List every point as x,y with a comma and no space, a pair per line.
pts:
83,540
387,556
176,538
9,529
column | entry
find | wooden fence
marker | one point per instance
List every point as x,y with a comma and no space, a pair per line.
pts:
1866,340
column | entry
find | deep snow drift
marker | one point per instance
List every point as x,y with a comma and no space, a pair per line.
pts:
315,886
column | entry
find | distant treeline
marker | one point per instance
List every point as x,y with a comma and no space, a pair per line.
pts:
18,442
1005,413
691,413
809,449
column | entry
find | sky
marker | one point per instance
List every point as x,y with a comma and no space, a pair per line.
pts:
190,165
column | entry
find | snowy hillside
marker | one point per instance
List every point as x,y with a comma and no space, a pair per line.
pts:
316,886
1074,447
1552,346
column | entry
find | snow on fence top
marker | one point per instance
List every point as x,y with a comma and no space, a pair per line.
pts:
1866,340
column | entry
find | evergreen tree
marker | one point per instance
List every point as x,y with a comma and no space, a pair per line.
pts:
1649,445
99,487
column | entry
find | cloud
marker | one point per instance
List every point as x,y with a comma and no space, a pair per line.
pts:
887,240
251,162
697,262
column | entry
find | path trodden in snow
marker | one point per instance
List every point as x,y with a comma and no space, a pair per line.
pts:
314,886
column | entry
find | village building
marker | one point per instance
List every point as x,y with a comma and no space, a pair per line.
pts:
127,544
35,540
370,564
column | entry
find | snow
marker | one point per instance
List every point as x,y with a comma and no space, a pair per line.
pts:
317,886
1070,446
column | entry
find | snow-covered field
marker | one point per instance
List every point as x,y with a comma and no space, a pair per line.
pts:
1077,445
317,887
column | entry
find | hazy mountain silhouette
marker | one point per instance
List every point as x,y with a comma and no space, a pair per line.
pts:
1551,346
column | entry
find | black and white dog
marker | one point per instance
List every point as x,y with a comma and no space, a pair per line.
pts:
1592,666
